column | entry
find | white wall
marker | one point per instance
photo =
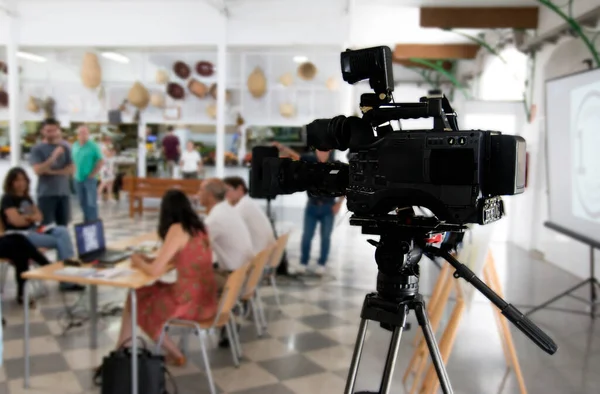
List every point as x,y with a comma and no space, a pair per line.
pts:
549,20
531,208
573,256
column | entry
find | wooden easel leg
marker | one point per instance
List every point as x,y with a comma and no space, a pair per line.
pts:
418,361
431,382
512,360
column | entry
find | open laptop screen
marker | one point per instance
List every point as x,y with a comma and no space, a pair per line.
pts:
89,238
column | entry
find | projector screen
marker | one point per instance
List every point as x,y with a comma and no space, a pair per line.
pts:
573,152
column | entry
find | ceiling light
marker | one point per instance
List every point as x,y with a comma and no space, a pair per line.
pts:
31,56
300,59
117,57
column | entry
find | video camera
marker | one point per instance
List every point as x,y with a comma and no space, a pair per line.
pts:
457,174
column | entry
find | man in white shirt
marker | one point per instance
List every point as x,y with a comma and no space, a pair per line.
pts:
255,218
190,161
229,237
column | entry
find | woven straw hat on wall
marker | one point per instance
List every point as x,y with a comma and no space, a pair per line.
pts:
182,70
175,91
197,88
138,96
162,77
287,110
91,73
157,100
257,83
32,105
286,79
307,71
211,110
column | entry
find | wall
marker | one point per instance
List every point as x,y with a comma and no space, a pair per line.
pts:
530,210
177,23
59,78
549,20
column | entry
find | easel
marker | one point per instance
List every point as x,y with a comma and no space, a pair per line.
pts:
436,307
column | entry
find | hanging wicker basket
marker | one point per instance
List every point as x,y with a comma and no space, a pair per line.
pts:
91,73
257,83
138,96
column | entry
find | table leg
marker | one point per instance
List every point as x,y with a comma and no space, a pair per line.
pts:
26,334
134,344
94,316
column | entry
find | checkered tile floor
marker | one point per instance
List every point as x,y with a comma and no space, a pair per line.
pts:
308,344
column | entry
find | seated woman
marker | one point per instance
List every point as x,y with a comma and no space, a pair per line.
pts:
19,214
19,251
194,295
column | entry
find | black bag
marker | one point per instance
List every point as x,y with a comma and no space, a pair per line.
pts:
114,376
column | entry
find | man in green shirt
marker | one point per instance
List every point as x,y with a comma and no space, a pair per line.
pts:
87,158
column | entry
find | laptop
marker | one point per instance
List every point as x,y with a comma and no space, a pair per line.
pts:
91,244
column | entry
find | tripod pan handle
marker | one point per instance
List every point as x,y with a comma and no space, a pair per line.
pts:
528,328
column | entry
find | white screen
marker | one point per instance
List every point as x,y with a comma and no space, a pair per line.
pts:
573,132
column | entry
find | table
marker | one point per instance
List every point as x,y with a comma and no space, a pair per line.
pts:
132,282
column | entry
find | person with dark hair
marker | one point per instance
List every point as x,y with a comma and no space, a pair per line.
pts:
229,236
256,220
194,295
319,210
171,150
19,214
52,162
20,251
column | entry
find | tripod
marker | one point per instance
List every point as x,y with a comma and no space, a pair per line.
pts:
397,255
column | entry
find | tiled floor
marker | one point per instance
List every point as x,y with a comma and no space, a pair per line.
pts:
309,343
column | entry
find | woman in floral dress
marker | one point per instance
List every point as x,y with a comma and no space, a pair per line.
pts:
194,295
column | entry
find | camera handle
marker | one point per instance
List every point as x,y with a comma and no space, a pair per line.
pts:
527,327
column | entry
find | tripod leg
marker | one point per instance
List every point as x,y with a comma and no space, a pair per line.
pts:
358,348
434,351
390,362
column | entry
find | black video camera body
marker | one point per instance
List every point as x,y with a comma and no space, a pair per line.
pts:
457,175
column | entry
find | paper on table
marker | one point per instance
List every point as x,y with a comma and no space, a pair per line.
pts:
115,272
76,271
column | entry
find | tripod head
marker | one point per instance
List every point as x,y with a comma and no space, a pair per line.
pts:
404,239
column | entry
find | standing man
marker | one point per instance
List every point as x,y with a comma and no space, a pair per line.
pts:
319,210
52,162
171,150
88,162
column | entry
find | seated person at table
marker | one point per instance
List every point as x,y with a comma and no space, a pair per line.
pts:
19,251
261,232
19,214
229,236
194,295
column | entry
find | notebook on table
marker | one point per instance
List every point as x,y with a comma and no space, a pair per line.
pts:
91,244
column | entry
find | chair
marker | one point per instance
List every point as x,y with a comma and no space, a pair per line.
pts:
274,262
250,293
223,318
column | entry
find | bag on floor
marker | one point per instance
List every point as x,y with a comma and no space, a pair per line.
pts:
114,375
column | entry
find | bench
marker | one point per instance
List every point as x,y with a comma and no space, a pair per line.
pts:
140,188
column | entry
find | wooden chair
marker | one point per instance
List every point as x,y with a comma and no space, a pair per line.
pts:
250,294
274,262
223,318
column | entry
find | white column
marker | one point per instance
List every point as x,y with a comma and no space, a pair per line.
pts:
13,90
221,85
141,161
